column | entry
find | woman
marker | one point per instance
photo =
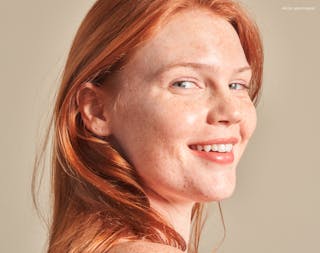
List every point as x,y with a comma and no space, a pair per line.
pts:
154,111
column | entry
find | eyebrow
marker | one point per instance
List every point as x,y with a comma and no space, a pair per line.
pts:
196,65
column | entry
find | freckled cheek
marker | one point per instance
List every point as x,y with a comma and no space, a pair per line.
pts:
174,121
158,120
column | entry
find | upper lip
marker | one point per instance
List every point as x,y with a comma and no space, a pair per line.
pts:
231,140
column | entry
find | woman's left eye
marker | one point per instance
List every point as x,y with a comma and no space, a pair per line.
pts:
184,84
238,86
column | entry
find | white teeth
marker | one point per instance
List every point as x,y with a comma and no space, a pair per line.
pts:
207,148
199,148
222,148
228,147
214,147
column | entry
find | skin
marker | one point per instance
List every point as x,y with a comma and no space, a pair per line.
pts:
143,247
154,119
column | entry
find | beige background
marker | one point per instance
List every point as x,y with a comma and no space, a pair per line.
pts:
276,205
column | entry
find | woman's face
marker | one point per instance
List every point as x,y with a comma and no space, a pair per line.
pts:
183,115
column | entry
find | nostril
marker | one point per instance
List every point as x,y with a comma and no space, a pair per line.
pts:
226,110
224,121
224,117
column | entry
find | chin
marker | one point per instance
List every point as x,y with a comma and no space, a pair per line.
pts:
224,194
217,196
222,190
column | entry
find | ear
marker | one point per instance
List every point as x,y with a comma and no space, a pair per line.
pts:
93,107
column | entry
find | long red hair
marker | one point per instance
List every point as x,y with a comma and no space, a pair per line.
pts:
97,196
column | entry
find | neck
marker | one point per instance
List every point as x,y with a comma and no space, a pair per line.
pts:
177,213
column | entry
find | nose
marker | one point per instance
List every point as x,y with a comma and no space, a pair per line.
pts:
224,110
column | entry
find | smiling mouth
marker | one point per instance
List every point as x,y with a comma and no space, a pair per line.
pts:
219,151
220,148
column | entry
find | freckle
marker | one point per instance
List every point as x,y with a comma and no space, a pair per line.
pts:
186,183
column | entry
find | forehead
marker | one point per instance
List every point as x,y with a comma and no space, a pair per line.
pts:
196,35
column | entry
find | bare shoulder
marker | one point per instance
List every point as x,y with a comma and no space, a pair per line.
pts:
143,247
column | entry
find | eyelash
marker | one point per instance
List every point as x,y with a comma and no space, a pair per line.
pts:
181,82
230,85
243,86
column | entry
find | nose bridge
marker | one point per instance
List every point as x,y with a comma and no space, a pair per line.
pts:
224,109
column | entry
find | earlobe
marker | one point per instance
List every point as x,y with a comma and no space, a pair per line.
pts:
92,105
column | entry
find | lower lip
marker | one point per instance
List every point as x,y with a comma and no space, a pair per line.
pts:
221,158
